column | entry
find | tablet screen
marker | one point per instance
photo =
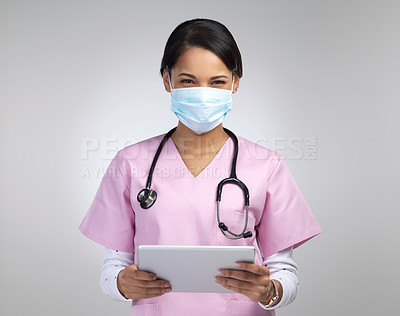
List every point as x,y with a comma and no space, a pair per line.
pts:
192,268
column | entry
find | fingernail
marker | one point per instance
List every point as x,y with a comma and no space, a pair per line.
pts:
217,280
168,290
167,285
238,265
220,273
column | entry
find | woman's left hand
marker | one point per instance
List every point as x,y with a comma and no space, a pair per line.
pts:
254,282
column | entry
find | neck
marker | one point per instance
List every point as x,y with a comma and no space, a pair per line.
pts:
188,142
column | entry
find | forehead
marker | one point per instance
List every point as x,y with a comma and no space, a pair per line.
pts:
200,62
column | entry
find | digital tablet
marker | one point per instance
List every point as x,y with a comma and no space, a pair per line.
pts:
192,268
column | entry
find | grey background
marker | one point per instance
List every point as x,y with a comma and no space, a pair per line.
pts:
79,71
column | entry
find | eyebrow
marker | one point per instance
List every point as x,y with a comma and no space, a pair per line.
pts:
194,77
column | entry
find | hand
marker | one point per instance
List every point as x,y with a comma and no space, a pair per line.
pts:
137,284
254,282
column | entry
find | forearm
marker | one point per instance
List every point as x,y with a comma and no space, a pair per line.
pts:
283,270
113,262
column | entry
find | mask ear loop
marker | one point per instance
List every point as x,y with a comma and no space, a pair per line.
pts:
169,80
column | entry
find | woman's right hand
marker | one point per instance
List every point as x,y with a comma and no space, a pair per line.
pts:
137,284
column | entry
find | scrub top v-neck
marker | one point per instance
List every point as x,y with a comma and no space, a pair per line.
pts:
178,156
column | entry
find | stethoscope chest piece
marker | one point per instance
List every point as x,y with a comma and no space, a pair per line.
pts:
146,198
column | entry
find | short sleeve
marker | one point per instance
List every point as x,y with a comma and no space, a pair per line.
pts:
110,218
287,219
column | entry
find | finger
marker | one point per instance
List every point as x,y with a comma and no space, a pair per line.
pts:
140,293
141,288
143,275
252,267
244,276
132,272
156,283
235,283
254,295
147,290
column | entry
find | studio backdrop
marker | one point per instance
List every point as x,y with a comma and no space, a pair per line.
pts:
80,81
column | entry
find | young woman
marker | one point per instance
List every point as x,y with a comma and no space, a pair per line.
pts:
201,68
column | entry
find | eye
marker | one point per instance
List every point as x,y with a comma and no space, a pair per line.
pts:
186,81
218,82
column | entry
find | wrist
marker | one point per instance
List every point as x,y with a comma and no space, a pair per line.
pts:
268,292
274,294
119,275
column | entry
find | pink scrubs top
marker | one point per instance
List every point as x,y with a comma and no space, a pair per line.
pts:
185,214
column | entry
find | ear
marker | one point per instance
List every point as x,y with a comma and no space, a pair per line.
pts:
166,80
236,83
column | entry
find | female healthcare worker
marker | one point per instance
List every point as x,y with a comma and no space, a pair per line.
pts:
162,191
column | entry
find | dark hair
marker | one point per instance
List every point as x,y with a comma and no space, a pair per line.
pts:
203,33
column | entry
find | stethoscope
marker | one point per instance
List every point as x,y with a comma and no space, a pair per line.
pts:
146,197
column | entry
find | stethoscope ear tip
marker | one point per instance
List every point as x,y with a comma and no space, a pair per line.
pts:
222,226
247,234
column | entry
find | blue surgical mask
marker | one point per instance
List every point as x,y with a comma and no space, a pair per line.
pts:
201,108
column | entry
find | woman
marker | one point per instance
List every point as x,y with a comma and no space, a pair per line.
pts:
201,68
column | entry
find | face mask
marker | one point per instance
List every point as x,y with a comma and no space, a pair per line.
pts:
201,108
